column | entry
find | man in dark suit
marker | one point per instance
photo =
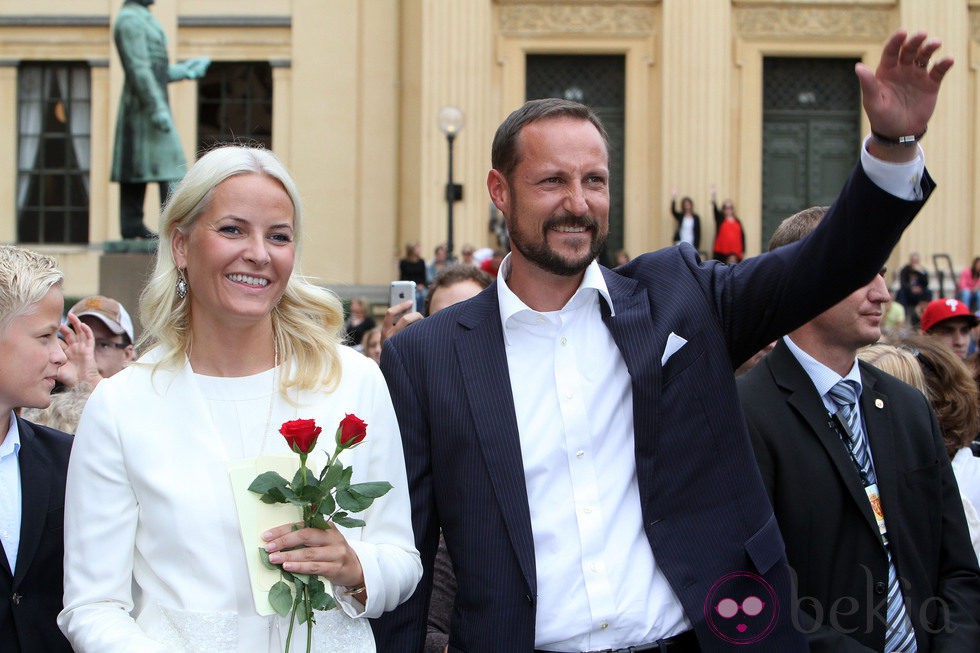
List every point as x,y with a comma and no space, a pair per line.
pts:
33,459
575,431
850,522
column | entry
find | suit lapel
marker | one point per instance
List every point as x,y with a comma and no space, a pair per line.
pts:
803,398
35,490
482,360
641,340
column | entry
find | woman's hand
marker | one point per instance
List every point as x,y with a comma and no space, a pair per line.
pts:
314,552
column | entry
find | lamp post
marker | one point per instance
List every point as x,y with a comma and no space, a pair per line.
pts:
451,123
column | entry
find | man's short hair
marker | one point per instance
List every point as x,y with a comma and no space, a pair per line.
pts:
453,274
796,226
25,278
505,154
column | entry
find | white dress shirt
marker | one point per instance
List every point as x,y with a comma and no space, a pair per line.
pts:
10,491
598,583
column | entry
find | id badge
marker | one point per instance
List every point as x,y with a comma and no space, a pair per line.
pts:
875,500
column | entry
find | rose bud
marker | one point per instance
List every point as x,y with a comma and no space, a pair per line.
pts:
351,432
301,434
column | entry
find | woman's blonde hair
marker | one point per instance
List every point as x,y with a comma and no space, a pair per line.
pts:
897,361
25,278
306,321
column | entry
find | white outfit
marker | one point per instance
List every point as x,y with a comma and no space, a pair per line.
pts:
966,469
154,558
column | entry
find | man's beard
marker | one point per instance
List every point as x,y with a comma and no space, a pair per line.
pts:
542,255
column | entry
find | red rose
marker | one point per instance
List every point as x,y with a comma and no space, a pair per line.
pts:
351,432
300,434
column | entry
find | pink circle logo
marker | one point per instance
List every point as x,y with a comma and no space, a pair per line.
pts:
741,608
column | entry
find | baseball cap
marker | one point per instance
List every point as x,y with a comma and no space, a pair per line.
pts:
108,311
939,310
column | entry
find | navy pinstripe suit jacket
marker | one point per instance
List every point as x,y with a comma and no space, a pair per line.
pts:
705,509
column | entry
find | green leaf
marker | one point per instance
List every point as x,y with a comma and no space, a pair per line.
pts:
273,495
330,479
298,477
311,494
264,557
350,501
302,579
319,521
374,489
301,616
318,594
348,522
328,505
344,481
267,481
328,603
281,598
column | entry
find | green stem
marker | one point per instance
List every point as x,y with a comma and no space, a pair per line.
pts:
292,619
323,472
309,617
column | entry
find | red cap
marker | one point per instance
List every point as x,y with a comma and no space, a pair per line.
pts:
939,310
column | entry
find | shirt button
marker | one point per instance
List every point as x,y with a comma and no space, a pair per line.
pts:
564,341
569,395
604,625
587,511
579,453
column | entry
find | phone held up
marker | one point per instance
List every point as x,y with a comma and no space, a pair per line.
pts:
402,291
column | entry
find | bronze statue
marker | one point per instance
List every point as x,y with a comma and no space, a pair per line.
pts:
147,148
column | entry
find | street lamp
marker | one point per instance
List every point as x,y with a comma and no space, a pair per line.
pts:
451,123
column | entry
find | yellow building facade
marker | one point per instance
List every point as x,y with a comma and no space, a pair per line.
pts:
355,88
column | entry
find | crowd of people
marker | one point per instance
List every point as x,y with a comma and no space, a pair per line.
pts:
675,454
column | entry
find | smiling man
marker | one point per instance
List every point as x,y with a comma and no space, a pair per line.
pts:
575,431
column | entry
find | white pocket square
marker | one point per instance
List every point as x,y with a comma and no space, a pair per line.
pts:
674,343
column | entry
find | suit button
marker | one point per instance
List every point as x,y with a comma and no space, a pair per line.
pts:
15,598
881,588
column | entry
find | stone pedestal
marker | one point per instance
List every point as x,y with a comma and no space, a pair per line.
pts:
122,275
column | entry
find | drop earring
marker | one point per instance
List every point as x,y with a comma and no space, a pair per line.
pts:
181,284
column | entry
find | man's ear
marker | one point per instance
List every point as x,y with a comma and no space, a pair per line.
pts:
499,191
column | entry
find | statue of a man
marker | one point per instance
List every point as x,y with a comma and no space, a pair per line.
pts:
147,147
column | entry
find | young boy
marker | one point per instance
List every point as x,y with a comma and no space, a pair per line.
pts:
33,459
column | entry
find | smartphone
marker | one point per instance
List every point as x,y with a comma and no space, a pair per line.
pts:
402,291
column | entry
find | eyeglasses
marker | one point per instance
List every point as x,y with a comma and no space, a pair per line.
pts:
751,606
106,345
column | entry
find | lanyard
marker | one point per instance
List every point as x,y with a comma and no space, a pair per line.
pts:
839,424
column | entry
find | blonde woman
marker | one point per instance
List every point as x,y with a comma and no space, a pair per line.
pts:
238,343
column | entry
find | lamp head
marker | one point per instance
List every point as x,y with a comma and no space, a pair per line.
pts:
451,121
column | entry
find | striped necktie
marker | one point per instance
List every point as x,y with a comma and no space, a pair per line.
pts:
899,635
